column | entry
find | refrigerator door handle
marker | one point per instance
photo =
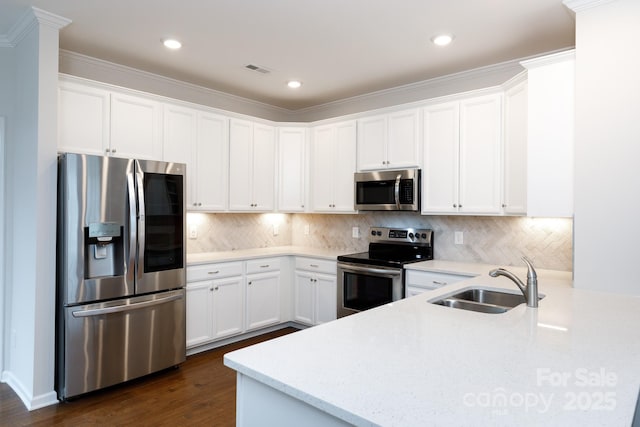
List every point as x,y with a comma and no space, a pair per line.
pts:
124,307
133,227
141,223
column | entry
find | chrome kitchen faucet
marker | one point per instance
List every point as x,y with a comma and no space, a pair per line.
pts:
530,290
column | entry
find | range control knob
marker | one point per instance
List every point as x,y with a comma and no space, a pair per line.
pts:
411,235
379,233
373,232
424,236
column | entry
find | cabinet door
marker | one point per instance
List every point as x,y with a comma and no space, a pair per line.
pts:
228,307
211,163
372,150
135,127
480,145
264,167
292,170
240,165
323,165
412,291
83,119
199,313
179,142
303,297
440,174
326,296
344,167
263,300
514,200
403,142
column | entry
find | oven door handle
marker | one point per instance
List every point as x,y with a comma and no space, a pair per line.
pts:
357,269
397,191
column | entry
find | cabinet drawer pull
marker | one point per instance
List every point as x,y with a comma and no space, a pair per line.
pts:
436,282
314,265
213,272
264,266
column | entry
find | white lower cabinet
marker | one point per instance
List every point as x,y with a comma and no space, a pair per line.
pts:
263,293
417,282
315,291
215,303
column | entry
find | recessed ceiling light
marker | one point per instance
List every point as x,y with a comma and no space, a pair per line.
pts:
442,39
294,84
172,44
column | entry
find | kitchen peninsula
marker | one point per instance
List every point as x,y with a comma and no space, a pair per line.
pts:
572,361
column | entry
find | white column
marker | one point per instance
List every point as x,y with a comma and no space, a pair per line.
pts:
31,209
607,147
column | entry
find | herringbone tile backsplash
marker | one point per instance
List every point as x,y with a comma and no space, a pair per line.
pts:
492,240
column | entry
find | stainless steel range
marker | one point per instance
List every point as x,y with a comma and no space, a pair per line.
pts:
374,278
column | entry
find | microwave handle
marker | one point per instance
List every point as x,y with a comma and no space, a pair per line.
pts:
397,191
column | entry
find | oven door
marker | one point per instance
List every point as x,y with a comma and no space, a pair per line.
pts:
362,286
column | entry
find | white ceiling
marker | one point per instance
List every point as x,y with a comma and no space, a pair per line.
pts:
337,48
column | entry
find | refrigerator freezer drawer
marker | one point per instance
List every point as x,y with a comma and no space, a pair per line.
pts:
108,343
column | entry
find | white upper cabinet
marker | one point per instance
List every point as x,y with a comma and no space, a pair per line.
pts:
99,121
199,139
333,163
441,153
462,167
179,142
514,193
292,169
551,104
251,166
83,119
212,162
389,141
136,126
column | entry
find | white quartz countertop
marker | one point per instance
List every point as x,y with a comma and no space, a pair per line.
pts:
573,361
242,254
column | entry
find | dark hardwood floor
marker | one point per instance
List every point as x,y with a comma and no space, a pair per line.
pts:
201,392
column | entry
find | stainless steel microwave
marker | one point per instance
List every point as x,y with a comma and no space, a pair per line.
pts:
389,190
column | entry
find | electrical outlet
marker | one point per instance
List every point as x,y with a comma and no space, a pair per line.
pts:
276,229
458,238
355,232
193,231
306,229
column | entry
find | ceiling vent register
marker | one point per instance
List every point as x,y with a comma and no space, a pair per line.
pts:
257,68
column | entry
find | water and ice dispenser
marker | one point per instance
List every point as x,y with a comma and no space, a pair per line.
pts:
104,250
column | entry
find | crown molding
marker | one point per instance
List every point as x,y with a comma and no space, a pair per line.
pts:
549,59
30,19
581,5
50,19
113,67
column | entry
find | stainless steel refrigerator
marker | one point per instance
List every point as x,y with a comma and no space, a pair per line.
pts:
120,270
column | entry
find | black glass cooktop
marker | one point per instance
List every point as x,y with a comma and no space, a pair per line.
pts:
391,255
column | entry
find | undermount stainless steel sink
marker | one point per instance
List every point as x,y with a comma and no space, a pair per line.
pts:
468,305
483,300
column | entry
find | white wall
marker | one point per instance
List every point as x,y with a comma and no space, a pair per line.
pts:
607,150
30,208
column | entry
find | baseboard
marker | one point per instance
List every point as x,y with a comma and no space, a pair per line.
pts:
236,338
30,402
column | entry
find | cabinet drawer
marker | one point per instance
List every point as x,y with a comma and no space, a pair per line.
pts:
430,280
262,265
317,265
213,271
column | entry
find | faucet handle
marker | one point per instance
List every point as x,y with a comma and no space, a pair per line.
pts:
531,272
